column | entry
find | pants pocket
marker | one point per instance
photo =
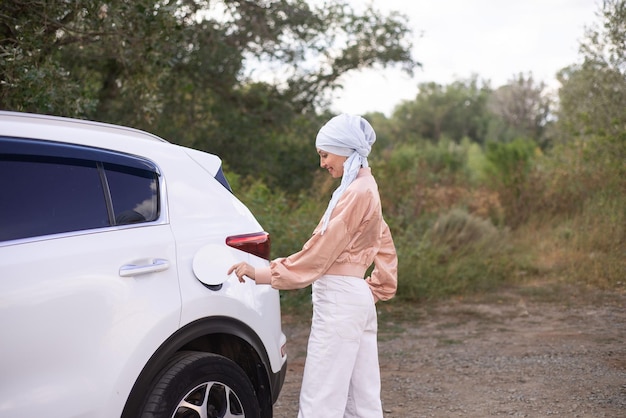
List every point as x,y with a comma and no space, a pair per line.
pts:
349,315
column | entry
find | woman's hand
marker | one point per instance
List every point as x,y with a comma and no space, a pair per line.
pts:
242,269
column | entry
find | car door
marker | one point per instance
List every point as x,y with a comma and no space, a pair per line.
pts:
88,283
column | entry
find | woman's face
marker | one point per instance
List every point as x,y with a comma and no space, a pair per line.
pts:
332,162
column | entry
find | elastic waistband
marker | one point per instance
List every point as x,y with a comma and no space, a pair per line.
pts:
334,284
347,269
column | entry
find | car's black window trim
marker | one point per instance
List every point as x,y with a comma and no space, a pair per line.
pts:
24,146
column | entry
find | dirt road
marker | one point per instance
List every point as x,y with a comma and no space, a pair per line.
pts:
549,354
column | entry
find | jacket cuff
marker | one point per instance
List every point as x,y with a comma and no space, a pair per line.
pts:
263,275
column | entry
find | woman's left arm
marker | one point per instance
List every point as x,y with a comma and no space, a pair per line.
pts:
384,279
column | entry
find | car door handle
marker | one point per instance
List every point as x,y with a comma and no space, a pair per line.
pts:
157,265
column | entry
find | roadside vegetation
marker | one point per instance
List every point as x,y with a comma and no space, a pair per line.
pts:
483,187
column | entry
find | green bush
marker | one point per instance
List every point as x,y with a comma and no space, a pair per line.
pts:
598,242
476,163
458,229
578,217
458,254
509,168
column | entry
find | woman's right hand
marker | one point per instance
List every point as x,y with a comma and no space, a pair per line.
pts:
242,269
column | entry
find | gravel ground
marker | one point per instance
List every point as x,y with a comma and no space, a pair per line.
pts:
501,355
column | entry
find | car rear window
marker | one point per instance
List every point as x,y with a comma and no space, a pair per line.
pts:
45,193
133,194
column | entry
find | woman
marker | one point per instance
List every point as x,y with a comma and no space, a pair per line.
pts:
341,374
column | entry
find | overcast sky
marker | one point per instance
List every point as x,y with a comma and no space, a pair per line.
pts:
495,39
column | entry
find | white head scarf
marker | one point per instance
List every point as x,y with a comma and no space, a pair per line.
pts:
348,136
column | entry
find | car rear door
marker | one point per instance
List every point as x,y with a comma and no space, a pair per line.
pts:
88,283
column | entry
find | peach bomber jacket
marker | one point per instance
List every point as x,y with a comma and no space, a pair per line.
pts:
356,236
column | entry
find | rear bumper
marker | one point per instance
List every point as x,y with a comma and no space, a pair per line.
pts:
276,382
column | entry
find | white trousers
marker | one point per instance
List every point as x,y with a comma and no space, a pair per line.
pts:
341,373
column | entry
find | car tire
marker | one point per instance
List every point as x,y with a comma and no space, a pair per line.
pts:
197,384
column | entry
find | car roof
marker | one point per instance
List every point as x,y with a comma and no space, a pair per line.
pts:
20,124
101,135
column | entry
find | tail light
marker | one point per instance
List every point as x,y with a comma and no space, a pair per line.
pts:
256,244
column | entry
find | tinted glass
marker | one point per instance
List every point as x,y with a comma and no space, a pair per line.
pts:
134,194
41,196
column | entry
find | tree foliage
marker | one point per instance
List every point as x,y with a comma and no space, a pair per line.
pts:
593,94
472,109
454,111
521,109
591,124
187,69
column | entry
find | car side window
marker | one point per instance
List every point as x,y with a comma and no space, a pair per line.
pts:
42,196
134,194
51,188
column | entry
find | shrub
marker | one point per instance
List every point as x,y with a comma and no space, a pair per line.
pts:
457,229
457,254
599,241
509,171
578,220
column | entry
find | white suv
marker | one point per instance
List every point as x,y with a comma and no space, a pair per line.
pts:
114,297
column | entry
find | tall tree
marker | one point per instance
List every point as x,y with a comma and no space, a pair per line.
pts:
115,46
187,69
593,94
591,119
521,108
455,111
77,58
